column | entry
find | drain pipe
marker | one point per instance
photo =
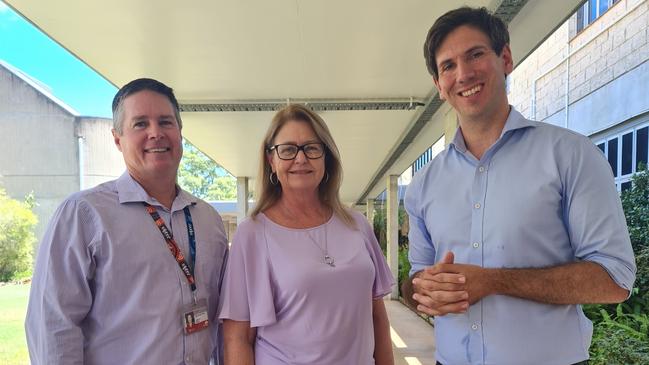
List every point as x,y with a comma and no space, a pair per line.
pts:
80,151
567,98
533,107
81,146
572,51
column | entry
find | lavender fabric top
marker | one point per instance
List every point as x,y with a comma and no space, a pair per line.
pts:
305,311
106,289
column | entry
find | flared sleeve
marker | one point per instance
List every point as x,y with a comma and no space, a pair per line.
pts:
247,291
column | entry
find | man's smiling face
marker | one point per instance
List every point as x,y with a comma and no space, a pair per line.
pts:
471,75
151,138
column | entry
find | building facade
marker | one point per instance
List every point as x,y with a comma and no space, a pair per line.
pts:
592,76
48,149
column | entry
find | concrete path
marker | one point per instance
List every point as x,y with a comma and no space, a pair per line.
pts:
413,342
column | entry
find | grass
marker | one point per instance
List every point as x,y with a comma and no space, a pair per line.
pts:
13,306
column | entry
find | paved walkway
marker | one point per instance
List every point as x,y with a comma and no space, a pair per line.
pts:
413,342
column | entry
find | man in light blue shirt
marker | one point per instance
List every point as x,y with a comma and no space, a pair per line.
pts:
129,272
516,223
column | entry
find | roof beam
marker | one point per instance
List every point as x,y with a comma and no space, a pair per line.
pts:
314,104
507,10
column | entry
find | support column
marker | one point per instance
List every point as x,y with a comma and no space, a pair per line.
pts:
242,198
370,211
450,127
392,232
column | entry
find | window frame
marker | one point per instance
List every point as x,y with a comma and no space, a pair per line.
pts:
623,178
584,12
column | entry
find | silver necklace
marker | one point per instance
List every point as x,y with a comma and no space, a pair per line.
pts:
327,258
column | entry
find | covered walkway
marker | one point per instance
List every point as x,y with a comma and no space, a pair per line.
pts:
413,342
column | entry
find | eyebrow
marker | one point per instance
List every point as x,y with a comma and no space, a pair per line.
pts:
295,143
143,116
468,51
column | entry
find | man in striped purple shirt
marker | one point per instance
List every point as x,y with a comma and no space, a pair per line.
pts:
123,265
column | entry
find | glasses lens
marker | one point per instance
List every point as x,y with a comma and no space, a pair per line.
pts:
313,150
287,151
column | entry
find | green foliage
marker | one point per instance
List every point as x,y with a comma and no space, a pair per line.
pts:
621,332
17,223
203,177
404,266
636,209
620,338
380,225
380,230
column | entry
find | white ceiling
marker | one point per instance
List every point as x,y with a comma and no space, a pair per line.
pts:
244,51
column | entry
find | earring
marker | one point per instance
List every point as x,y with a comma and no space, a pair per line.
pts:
270,177
326,179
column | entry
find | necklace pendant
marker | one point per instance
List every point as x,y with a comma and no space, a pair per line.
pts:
329,261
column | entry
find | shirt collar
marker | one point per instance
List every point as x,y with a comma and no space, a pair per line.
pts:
129,191
515,120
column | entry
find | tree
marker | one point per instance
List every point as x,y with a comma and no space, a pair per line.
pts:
223,188
17,222
203,177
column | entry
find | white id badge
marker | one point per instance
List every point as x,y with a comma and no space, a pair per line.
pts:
195,317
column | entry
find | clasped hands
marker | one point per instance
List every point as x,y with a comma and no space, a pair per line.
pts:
447,287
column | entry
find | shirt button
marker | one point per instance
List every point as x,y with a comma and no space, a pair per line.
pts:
477,205
481,168
474,327
476,244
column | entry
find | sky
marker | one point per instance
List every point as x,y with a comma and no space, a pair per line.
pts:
25,47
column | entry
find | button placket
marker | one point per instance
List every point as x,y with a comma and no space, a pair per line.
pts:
475,250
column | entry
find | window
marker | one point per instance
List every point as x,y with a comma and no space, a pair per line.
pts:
625,151
626,185
422,160
641,145
612,154
591,10
428,155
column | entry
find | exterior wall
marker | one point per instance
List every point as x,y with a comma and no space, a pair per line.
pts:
102,159
40,151
38,146
605,69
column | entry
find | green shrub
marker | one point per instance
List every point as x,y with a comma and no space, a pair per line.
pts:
621,332
380,232
636,210
635,202
404,266
621,338
17,223
380,225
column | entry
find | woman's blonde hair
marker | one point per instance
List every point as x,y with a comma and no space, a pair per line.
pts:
267,194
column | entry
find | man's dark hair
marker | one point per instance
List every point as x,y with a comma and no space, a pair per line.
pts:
480,18
137,86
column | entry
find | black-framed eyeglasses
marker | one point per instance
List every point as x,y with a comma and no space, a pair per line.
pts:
288,151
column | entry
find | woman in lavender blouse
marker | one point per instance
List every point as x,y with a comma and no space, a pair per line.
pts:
305,277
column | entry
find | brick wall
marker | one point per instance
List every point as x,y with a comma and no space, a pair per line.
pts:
613,45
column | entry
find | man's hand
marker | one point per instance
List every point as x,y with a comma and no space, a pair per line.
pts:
478,281
439,290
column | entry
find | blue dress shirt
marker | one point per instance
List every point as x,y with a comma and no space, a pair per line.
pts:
106,289
540,196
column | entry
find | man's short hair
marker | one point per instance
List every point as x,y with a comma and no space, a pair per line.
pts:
480,18
137,86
